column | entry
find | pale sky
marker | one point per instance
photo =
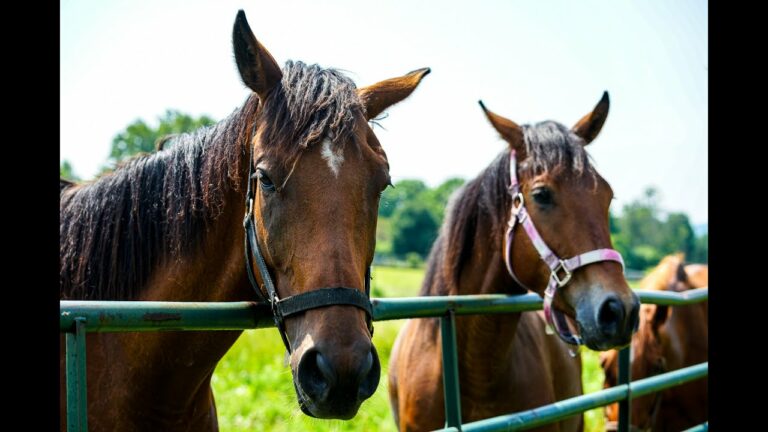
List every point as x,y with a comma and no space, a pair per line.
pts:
527,60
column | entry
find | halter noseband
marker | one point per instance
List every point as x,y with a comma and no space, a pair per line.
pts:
318,298
561,269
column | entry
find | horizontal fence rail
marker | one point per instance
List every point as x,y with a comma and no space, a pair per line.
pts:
79,317
122,316
576,405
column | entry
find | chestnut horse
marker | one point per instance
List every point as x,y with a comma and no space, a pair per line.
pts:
507,362
169,226
669,338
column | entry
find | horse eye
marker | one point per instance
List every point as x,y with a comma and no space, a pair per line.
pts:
542,196
264,181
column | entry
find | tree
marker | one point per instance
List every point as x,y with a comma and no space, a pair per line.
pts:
140,137
640,231
409,216
700,250
66,171
437,198
643,238
613,222
395,196
414,229
678,235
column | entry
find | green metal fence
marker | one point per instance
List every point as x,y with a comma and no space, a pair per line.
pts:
79,317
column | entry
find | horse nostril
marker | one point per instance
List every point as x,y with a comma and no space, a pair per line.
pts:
325,369
315,375
365,367
370,372
321,382
610,315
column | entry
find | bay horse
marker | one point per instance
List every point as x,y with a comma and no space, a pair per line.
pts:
507,362
669,338
301,162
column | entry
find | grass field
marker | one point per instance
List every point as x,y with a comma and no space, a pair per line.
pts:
253,386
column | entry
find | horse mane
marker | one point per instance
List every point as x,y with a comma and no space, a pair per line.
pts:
661,275
156,208
485,200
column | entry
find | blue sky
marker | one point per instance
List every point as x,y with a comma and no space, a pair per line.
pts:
529,61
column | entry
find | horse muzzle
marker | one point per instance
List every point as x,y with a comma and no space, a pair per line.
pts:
333,385
608,322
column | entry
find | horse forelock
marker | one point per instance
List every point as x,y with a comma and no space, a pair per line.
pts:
312,105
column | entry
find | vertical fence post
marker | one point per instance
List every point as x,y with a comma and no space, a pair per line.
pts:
77,413
624,378
450,371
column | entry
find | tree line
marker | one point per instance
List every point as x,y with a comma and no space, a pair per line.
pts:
411,212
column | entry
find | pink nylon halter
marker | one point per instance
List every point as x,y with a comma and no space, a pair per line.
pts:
519,214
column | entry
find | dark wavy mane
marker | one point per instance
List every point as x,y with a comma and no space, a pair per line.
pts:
156,208
485,199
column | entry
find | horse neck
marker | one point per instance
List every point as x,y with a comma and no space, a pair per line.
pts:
215,271
686,341
485,341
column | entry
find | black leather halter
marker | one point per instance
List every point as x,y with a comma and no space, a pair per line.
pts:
318,298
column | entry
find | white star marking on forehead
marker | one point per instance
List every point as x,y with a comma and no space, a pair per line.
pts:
333,158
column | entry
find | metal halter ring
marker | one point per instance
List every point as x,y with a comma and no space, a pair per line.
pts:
520,203
566,278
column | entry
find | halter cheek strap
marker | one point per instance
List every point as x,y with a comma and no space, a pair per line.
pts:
561,269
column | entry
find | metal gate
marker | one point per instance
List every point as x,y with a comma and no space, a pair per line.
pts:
79,317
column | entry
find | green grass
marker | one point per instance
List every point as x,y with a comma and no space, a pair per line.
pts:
396,282
254,390
592,378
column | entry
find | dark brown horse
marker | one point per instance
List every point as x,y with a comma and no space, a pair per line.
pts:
169,226
507,362
669,338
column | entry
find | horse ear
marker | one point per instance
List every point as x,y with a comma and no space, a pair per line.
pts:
380,96
659,317
509,130
257,67
589,125
682,276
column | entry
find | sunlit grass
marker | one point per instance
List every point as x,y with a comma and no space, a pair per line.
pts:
592,378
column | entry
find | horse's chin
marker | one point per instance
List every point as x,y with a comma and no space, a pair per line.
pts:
590,339
593,340
574,325
311,409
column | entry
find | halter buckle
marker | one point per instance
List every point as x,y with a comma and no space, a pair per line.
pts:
566,277
518,203
521,202
248,211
